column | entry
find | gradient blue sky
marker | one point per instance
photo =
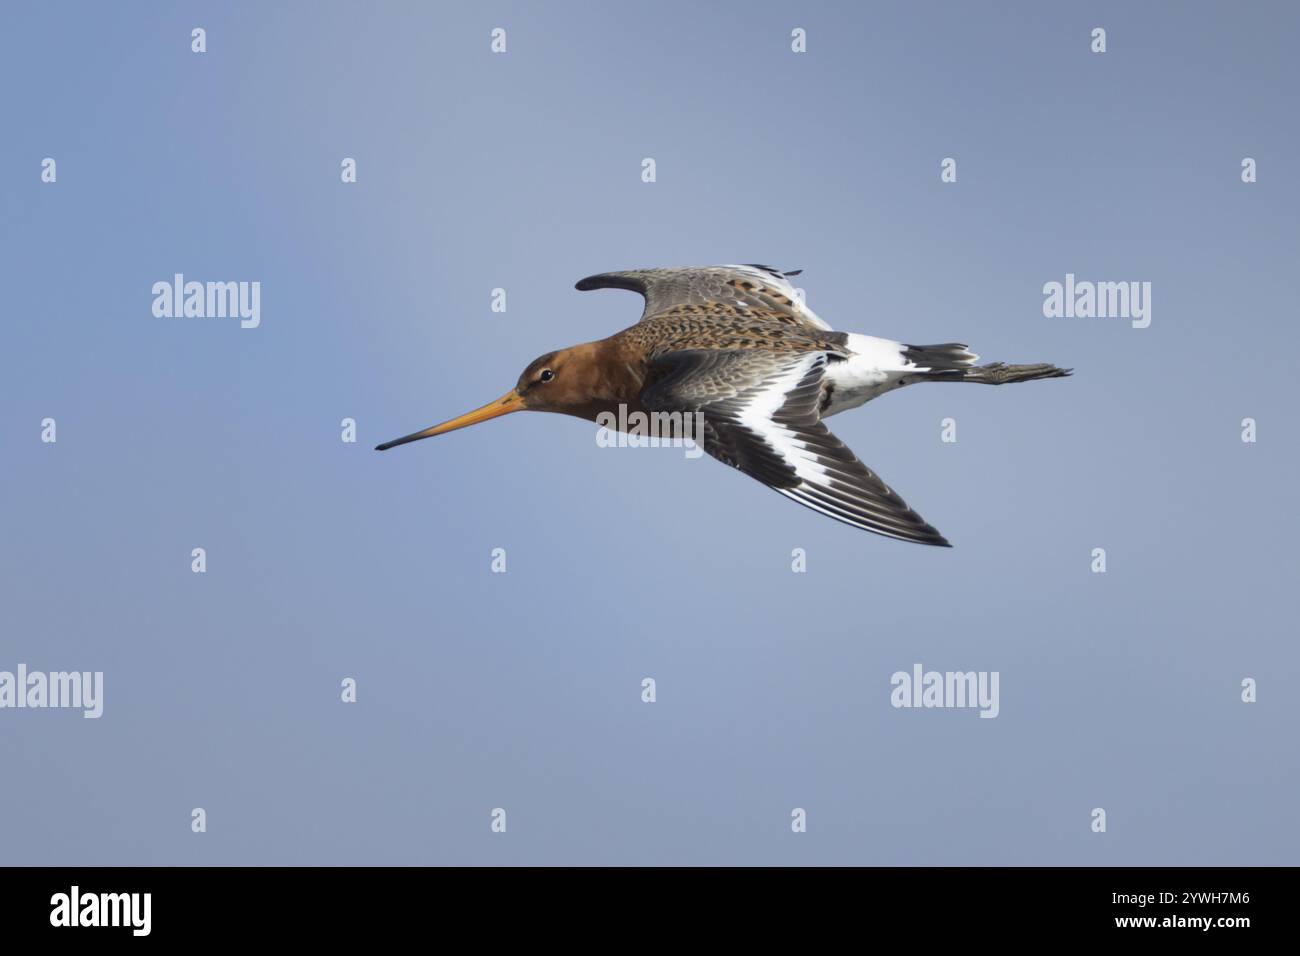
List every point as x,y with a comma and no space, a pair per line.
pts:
522,690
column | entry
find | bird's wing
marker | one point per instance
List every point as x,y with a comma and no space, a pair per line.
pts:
760,415
747,287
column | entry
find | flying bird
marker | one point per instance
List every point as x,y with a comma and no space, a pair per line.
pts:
736,348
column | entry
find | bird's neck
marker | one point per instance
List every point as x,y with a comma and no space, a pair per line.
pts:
614,376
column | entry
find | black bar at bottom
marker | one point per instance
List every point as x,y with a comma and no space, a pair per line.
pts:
376,904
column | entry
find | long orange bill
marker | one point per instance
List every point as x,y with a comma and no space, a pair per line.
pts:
507,403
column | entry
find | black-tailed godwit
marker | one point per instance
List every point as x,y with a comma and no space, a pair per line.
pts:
735,348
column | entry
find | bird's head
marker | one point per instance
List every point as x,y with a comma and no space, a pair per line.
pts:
567,381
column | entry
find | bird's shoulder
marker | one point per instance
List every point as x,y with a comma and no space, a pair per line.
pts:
720,326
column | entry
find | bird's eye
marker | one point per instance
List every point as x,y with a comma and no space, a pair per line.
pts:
546,375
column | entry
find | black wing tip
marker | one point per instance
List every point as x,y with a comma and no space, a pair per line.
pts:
612,280
636,279
773,270
926,535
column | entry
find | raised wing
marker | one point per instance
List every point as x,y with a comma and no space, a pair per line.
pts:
747,286
761,416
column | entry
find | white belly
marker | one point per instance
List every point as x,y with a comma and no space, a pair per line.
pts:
877,366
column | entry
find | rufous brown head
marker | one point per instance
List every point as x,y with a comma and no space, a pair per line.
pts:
567,381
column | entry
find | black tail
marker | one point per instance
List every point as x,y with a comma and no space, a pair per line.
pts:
949,357
954,362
